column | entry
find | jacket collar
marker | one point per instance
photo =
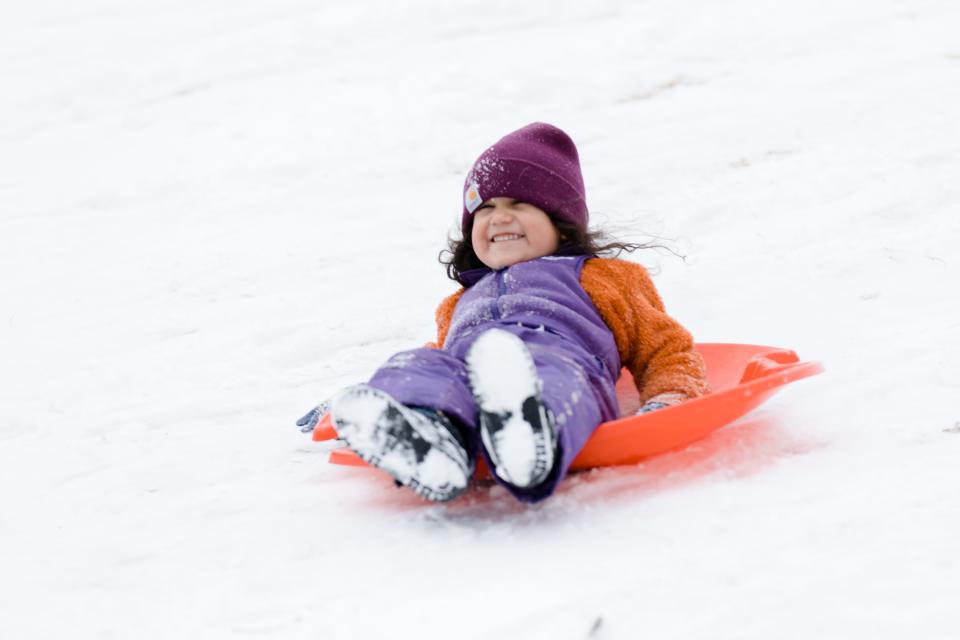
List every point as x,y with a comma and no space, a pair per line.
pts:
471,277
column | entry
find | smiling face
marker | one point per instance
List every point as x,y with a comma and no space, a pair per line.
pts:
507,231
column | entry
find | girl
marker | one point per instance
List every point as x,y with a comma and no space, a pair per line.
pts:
529,350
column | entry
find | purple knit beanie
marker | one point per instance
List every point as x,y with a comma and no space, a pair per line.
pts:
538,164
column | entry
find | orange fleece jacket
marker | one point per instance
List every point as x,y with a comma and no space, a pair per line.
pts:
654,347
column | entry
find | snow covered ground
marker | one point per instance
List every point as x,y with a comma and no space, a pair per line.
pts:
213,214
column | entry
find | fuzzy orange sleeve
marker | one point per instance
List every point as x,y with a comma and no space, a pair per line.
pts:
444,316
656,349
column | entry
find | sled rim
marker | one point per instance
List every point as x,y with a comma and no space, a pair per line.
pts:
630,439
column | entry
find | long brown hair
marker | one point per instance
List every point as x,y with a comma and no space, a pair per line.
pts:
575,240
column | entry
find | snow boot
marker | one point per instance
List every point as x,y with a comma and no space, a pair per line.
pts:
517,430
420,449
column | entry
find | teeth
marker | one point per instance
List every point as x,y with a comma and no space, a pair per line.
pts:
506,236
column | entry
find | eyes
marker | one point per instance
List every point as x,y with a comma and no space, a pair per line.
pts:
489,205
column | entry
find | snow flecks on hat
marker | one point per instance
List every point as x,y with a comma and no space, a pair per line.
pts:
538,164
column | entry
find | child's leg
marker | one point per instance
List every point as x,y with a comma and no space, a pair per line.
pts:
432,379
574,387
415,420
579,397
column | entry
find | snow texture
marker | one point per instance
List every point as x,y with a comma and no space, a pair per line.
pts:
214,215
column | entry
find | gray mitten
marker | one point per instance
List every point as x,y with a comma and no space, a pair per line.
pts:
660,401
310,420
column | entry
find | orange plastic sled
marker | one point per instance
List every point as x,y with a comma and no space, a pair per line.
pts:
742,376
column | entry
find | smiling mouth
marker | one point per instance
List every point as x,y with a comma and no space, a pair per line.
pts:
504,237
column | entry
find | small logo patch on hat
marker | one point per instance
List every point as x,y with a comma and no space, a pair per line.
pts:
472,199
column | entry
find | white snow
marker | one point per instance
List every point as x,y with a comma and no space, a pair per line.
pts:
214,215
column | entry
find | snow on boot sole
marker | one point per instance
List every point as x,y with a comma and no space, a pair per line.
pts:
403,442
515,428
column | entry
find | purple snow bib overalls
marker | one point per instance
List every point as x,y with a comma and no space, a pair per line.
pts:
543,303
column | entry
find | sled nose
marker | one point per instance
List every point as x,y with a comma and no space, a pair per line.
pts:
324,429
